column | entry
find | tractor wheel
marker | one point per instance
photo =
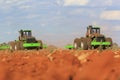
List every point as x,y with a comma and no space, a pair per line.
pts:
89,40
41,47
83,44
21,46
92,47
109,40
12,45
17,46
76,43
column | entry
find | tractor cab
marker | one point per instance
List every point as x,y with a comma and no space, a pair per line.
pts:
26,35
92,31
95,30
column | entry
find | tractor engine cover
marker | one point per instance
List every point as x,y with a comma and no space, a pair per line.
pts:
31,40
100,39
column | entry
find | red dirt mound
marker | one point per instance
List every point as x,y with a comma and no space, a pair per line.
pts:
102,66
23,65
59,65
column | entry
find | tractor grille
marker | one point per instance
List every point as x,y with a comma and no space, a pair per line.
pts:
31,40
100,39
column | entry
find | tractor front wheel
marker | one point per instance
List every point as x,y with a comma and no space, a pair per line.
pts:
89,40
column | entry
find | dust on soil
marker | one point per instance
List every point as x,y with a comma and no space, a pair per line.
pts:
60,65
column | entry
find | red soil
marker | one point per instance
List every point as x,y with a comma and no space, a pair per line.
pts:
59,65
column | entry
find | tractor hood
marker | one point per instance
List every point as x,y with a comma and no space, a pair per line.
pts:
31,40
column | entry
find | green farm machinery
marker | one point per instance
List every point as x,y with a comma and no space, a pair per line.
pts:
93,40
69,46
25,41
4,46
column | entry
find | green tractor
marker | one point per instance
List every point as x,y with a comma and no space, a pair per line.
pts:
25,41
93,40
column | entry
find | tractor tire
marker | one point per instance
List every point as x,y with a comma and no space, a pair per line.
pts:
92,47
89,40
76,43
41,47
109,40
12,45
17,46
83,44
21,45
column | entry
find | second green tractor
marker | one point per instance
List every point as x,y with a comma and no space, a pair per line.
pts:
93,40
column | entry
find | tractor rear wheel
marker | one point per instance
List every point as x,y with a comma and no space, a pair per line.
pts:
76,43
17,46
83,43
41,44
109,40
12,45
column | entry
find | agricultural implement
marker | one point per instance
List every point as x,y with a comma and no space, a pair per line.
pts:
25,41
69,46
93,40
4,46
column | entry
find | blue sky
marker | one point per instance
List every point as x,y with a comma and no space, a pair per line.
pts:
58,22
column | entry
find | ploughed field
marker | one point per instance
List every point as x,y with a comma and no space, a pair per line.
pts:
60,64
